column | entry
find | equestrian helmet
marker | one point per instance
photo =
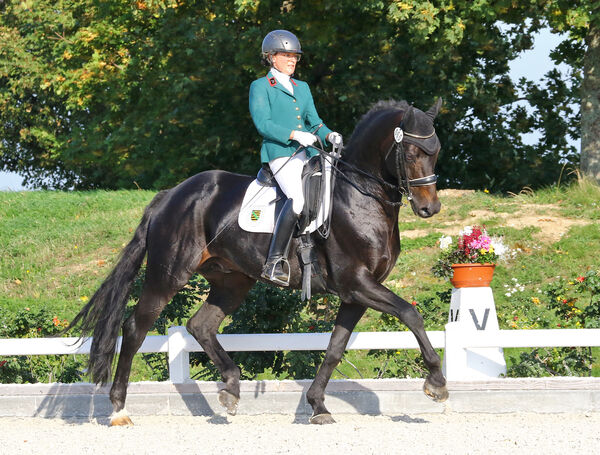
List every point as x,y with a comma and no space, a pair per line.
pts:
280,41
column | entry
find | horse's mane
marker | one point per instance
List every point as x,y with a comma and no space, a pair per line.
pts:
379,106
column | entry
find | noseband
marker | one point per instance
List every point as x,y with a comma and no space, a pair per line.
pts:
404,183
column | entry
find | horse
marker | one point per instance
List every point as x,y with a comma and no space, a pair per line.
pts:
188,229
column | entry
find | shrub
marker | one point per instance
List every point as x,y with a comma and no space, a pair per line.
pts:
408,362
267,309
575,304
41,368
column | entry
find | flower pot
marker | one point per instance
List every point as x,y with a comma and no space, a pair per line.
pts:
472,275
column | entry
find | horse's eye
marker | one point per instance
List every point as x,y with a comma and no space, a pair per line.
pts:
411,157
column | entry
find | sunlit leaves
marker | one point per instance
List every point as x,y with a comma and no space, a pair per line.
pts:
118,94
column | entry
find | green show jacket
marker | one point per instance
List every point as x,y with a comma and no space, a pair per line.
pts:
276,113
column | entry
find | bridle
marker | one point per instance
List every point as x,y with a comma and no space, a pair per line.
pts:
404,182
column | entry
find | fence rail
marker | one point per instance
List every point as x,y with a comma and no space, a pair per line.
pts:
454,340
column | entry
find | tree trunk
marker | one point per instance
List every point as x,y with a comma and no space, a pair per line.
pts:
590,105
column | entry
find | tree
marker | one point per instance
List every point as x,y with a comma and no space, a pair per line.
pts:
580,50
590,99
108,94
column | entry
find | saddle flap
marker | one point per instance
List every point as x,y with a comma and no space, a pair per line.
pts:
312,184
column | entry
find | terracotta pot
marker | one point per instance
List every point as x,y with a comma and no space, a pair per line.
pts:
472,275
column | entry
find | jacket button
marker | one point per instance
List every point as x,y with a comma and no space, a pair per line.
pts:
297,108
298,117
294,100
300,126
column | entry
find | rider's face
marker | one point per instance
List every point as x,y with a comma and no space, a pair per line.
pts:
285,62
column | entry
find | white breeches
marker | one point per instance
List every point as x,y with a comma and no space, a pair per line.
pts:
289,176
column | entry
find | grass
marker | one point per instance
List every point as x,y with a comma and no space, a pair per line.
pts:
56,248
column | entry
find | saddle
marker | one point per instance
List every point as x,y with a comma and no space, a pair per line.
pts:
313,184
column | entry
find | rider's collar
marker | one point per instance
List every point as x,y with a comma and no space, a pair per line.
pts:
283,79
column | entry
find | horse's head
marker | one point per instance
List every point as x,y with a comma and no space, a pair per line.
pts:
396,143
412,160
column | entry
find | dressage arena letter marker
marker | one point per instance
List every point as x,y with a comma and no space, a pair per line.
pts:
476,321
453,315
472,310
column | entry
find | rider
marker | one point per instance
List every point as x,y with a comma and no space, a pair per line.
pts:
285,116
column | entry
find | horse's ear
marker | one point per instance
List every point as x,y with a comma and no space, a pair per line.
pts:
435,109
409,120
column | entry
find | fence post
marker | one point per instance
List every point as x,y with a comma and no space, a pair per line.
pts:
179,358
455,355
474,311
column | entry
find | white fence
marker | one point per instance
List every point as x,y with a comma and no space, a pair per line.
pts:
178,344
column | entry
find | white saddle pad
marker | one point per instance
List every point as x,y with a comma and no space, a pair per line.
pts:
257,213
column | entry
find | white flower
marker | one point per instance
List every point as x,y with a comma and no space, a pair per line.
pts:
466,231
499,248
445,241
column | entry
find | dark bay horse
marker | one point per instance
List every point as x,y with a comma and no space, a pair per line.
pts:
192,228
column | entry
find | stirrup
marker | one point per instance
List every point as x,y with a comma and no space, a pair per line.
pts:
269,271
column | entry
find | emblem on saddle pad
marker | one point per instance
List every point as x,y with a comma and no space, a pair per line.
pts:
255,215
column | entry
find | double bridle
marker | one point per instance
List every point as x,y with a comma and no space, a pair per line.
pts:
405,183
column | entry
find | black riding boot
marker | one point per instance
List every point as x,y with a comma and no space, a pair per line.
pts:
274,269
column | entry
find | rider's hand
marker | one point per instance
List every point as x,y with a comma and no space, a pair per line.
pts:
305,139
335,138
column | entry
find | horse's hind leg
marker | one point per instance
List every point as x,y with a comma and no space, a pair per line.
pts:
153,299
227,292
347,318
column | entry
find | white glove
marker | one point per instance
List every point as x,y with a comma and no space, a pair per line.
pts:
305,139
335,138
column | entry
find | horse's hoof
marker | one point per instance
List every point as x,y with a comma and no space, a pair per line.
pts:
120,419
229,401
436,393
321,419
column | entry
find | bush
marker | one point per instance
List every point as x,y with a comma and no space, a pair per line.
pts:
42,368
267,309
575,304
408,362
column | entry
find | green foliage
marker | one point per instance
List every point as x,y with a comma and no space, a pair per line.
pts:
39,232
406,363
32,369
541,362
116,94
267,309
576,304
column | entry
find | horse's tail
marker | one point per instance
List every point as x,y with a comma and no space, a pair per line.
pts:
103,314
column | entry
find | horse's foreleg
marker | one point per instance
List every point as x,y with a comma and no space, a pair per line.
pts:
378,297
348,316
227,292
135,328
